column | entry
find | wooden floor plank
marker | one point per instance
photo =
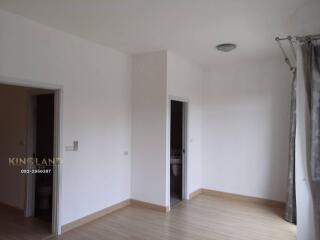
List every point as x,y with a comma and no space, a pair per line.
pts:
204,217
14,226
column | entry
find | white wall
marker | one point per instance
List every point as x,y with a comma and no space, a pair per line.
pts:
149,127
13,142
185,79
246,128
156,77
95,109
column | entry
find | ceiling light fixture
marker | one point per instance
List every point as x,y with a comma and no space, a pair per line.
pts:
226,47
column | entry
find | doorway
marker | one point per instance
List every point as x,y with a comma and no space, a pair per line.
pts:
44,150
177,150
30,139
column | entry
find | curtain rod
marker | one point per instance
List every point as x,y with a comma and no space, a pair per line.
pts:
299,38
292,40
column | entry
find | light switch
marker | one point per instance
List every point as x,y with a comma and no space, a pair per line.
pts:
75,145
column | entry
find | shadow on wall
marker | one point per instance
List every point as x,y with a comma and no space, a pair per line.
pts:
247,129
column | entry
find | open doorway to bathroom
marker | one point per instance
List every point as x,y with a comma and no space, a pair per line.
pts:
177,150
44,128
27,151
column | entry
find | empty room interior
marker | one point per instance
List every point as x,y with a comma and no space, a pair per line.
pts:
160,119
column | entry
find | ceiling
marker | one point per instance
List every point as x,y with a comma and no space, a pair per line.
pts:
190,28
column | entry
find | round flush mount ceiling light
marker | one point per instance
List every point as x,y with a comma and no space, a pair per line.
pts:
226,47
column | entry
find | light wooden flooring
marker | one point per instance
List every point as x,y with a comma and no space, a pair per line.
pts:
14,226
174,199
202,218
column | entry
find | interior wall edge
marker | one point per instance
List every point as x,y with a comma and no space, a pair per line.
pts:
91,217
96,215
239,197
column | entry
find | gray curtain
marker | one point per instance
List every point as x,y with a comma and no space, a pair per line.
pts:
291,209
311,65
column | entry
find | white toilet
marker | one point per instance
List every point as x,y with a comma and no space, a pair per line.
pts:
176,166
